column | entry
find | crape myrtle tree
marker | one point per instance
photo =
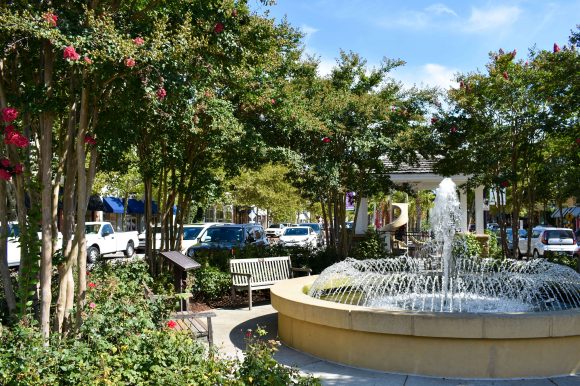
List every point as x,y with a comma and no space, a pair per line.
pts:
503,125
340,127
192,123
81,79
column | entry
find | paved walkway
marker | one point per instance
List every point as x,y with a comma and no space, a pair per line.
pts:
230,326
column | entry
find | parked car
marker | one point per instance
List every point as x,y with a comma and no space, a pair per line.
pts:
229,236
493,227
275,230
549,239
102,240
316,227
13,244
300,236
522,233
192,234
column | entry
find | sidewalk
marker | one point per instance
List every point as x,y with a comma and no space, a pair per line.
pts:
230,326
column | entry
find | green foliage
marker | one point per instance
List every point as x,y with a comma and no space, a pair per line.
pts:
465,245
370,247
494,245
260,368
210,283
563,259
124,341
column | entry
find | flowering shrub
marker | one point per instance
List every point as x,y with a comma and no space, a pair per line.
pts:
9,114
125,341
130,62
13,137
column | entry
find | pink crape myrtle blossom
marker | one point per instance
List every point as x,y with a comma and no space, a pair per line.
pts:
70,53
9,114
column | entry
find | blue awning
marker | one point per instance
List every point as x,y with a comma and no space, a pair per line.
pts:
138,206
113,205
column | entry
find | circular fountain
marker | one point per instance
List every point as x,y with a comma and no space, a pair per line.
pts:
440,313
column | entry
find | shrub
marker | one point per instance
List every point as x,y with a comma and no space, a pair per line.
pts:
210,283
465,245
370,247
124,342
562,259
495,251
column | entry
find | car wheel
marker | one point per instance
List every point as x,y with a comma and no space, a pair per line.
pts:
92,254
536,254
130,251
190,252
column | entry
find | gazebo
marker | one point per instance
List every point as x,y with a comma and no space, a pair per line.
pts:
420,176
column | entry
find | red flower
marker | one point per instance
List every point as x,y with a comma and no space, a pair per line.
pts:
9,114
71,53
92,306
505,75
161,93
5,175
578,141
130,62
5,162
90,140
218,28
273,101
50,18
556,47
15,138
526,63
171,324
326,140
434,120
138,41
514,52
504,184
234,13
453,129
92,285
87,60
249,334
461,84
18,169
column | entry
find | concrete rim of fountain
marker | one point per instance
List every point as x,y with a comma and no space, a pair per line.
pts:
456,345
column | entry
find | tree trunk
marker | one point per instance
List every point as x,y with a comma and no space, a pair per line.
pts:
81,203
148,218
46,123
6,282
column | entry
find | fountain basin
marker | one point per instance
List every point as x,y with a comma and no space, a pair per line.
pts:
454,345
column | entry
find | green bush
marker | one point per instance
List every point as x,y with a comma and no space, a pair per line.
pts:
465,245
495,251
123,341
370,247
210,283
562,259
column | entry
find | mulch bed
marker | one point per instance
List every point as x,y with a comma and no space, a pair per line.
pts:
241,301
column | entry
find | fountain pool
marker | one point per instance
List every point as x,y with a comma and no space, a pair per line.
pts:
438,314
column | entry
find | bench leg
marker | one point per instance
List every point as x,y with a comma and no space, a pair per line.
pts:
233,293
250,296
209,332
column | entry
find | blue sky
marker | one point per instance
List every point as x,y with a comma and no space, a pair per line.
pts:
436,39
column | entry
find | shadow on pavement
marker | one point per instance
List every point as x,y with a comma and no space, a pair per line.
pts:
268,322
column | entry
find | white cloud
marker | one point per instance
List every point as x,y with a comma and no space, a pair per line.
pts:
325,67
440,9
492,18
430,74
308,31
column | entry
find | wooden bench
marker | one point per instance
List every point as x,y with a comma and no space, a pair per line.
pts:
191,322
255,274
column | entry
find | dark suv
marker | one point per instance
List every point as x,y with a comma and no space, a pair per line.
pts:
229,236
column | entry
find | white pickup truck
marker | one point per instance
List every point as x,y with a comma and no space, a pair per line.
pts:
102,239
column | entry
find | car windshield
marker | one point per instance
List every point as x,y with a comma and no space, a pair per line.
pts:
14,230
92,229
559,234
224,234
191,233
276,226
302,231
314,226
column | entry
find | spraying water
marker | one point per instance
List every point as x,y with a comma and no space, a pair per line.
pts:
438,281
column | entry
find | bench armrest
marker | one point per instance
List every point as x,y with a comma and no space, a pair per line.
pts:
307,270
249,275
187,315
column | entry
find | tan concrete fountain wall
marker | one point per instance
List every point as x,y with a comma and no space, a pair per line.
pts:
514,345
